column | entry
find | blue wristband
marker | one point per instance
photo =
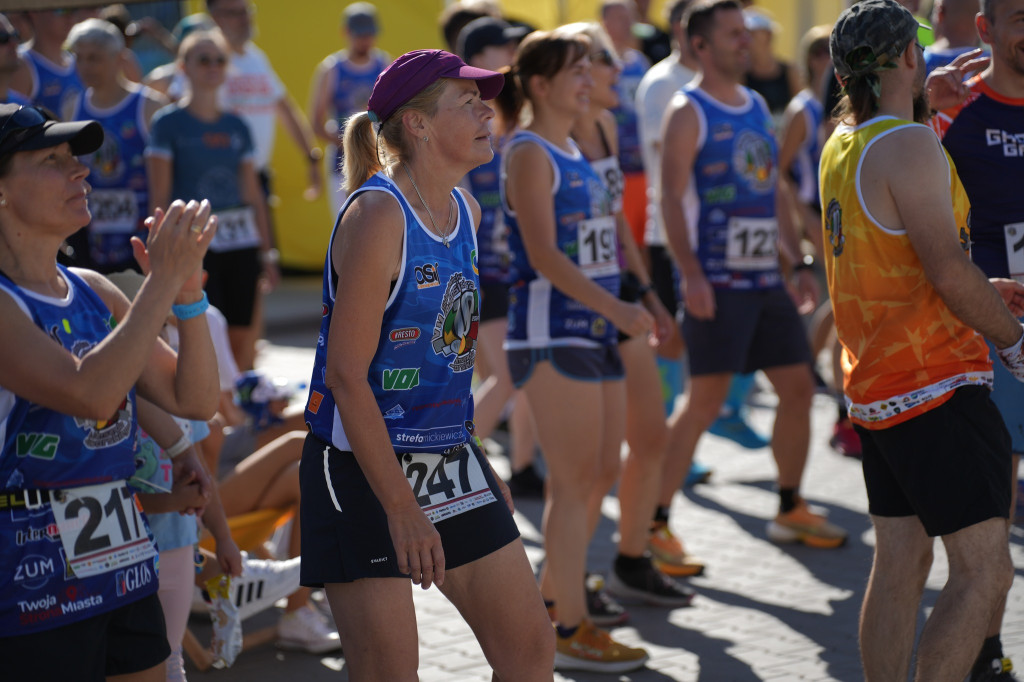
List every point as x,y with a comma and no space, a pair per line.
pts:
187,311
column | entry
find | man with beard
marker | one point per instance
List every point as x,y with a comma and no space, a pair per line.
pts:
720,159
909,308
983,135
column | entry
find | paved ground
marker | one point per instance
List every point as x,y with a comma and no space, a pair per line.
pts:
763,612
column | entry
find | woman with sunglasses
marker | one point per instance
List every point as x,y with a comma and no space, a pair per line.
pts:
633,574
564,317
78,570
198,150
391,489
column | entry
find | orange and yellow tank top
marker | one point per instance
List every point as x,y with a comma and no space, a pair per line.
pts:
904,351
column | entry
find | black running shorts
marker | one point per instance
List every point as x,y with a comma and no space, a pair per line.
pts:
751,330
129,639
950,466
345,533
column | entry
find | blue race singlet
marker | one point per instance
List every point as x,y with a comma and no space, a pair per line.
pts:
539,314
485,185
420,374
53,86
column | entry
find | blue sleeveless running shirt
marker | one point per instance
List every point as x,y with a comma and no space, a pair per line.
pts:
735,175
634,66
492,236
539,314
420,374
119,201
805,164
43,449
53,86
352,87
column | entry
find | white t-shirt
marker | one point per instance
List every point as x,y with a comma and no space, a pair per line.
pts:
226,366
659,84
252,90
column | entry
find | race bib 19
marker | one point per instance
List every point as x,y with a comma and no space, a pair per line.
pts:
598,247
101,528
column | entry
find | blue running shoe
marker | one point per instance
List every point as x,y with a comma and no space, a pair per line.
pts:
735,429
699,473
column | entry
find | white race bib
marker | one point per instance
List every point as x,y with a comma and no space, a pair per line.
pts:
611,176
598,247
114,211
753,244
236,229
101,528
1014,235
446,486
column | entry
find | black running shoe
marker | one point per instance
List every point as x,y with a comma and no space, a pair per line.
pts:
526,483
1001,670
602,609
650,586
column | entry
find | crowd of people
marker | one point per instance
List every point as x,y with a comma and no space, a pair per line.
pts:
594,237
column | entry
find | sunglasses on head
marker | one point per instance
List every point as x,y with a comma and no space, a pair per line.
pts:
207,60
22,120
6,37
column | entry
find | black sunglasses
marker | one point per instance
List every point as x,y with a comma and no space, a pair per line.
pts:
206,60
24,119
6,37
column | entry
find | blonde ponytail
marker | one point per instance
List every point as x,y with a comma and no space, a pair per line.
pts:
360,151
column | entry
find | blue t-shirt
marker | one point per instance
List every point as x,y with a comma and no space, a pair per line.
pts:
735,175
933,58
46,450
53,86
540,315
634,66
985,138
205,155
420,373
119,201
153,474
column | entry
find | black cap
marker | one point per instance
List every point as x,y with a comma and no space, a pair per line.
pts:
28,128
485,32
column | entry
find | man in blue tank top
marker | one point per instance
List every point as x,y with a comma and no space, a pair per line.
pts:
119,201
9,63
719,143
47,74
985,137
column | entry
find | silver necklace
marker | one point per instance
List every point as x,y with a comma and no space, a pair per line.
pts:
448,225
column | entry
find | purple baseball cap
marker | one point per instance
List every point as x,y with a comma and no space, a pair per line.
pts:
415,70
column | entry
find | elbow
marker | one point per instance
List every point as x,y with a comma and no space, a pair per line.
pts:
201,409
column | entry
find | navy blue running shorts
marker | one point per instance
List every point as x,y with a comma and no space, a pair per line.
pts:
576,362
232,283
344,529
129,639
951,466
751,330
493,302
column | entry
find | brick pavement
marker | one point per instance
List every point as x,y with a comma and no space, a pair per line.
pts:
763,612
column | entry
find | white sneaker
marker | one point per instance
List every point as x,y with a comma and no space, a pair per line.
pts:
305,629
263,582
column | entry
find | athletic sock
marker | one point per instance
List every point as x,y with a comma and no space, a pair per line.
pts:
787,500
843,414
739,388
566,633
991,650
660,516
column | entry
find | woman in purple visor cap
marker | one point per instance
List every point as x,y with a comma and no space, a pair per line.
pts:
391,489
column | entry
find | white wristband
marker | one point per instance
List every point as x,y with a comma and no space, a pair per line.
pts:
183,444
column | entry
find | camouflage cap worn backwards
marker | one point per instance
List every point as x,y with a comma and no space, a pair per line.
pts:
869,36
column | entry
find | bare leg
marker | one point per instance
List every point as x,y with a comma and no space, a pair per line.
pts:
522,433
704,400
888,619
565,412
647,436
980,574
377,625
495,391
243,345
157,673
996,626
514,632
609,462
792,433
